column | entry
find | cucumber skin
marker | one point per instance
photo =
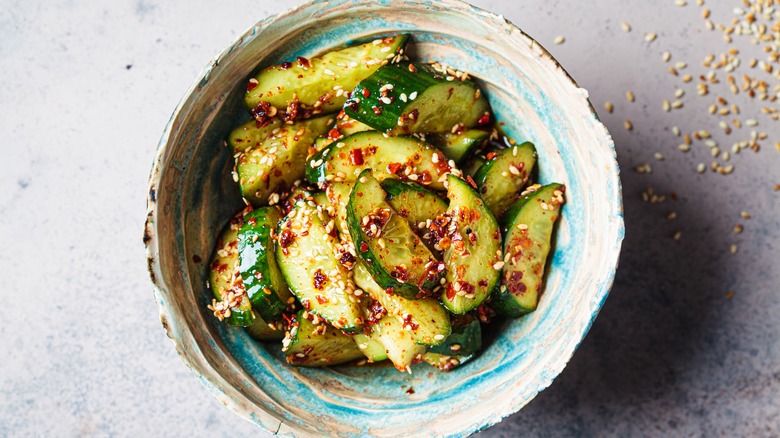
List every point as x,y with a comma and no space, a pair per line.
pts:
457,147
280,84
372,261
397,196
472,166
397,117
306,339
489,176
489,242
257,256
505,303
260,331
466,332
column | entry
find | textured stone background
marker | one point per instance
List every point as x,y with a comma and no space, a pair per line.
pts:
87,87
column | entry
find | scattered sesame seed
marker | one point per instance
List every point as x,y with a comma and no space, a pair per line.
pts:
650,37
666,56
625,26
733,248
677,235
628,125
659,156
559,39
745,215
630,96
700,168
609,107
738,228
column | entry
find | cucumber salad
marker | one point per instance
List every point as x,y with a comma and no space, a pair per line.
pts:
387,217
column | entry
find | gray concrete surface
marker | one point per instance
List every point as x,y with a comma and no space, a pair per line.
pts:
87,87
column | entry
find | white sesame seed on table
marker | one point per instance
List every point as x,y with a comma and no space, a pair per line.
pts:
687,344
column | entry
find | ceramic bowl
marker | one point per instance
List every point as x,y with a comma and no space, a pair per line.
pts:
192,196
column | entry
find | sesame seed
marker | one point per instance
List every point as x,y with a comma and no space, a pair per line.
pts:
738,228
733,248
626,27
700,168
628,125
559,40
329,72
438,337
413,95
745,215
650,37
666,56
630,96
608,106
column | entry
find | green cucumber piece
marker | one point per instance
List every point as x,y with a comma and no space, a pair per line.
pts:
279,161
465,339
473,251
313,343
306,253
262,331
444,362
412,201
387,156
368,342
319,79
263,281
531,222
427,319
457,146
420,100
250,135
472,165
396,257
400,346
321,142
224,277
348,126
338,198
504,174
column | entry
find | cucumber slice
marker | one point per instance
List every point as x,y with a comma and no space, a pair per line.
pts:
427,319
392,252
504,174
306,252
312,343
348,126
444,362
368,342
279,161
412,201
263,282
298,193
407,98
473,248
465,339
400,346
321,142
250,135
472,165
230,302
338,198
262,331
398,157
320,84
457,146
531,222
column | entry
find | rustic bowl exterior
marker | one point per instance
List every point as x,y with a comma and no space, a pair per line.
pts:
191,197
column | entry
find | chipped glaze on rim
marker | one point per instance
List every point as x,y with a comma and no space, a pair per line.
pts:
244,376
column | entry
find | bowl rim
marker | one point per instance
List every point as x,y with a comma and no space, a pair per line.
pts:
150,236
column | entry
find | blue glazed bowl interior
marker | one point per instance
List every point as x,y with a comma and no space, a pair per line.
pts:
195,196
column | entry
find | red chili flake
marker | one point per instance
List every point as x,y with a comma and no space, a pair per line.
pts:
306,304
352,105
303,62
286,238
252,84
365,92
484,313
449,94
484,120
319,282
376,110
334,134
413,115
471,182
451,292
410,390
410,322
285,65
347,259
412,68
321,299
363,247
222,268
514,282
400,273
292,110
393,168
491,155
375,313
356,157
390,291
262,113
